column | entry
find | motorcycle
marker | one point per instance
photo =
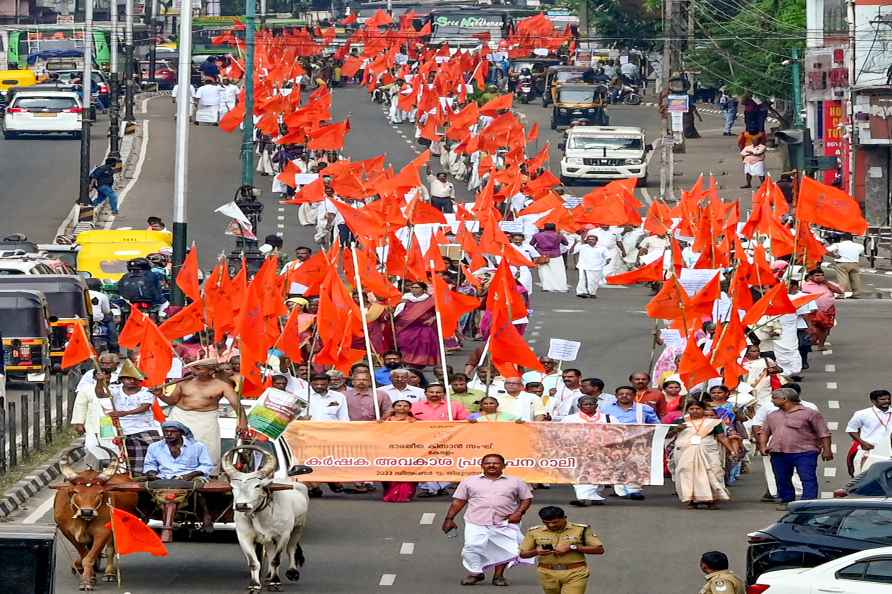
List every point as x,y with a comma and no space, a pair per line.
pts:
627,95
524,90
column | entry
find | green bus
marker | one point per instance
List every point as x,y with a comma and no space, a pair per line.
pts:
204,29
19,41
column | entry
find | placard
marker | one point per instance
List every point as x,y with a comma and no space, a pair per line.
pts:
560,349
670,337
511,226
694,279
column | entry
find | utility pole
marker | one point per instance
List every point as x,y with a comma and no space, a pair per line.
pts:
853,130
181,166
151,14
795,69
667,158
114,110
87,112
128,65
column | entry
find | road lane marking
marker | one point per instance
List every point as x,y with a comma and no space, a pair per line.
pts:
833,447
427,519
826,494
280,217
143,149
832,385
407,548
826,353
39,511
833,404
387,579
832,425
568,311
830,471
830,368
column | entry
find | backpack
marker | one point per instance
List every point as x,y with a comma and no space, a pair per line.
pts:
138,286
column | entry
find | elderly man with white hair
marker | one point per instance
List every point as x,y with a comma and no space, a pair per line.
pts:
400,389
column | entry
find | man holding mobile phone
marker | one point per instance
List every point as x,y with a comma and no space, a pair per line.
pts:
561,547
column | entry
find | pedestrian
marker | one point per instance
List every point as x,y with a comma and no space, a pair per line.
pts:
729,105
848,264
794,436
399,491
561,547
719,579
208,99
869,428
102,178
697,457
552,273
591,262
416,332
442,192
515,402
130,408
587,495
627,411
753,156
496,505
822,321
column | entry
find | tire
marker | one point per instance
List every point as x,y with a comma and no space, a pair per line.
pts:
633,99
9,135
554,124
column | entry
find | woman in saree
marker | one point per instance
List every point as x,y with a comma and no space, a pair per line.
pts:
399,492
416,329
377,318
490,413
762,373
821,322
699,477
675,396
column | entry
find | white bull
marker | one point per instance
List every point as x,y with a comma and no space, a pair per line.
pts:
270,519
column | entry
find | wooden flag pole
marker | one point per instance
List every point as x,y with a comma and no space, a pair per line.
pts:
442,342
365,333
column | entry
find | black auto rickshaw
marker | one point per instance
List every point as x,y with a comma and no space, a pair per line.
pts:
580,102
68,300
556,76
537,66
24,326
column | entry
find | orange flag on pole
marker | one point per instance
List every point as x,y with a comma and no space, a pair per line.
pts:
78,348
132,536
652,272
507,347
188,320
829,207
187,278
775,302
134,329
155,355
452,305
694,368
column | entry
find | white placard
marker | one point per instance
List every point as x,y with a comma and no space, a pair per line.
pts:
677,122
670,337
560,349
297,289
511,226
303,179
694,279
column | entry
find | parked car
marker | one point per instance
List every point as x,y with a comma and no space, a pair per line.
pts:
43,112
103,91
20,264
864,572
814,532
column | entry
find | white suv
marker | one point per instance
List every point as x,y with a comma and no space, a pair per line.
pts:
43,112
604,152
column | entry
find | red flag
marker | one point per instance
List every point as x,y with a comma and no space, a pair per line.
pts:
132,536
187,279
188,320
694,368
134,329
155,355
420,212
652,272
231,120
701,302
670,303
452,305
507,347
775,302
361,221
497,104
78,348
829,207
329,138
289,341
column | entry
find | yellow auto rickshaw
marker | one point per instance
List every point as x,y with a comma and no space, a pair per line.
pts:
16,78
556,76
68,301
104,253
25,330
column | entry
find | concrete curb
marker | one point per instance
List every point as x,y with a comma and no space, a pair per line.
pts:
710,111
26,488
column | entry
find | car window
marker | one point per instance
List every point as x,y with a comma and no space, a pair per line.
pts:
45,103
819,521
868,524
879,571
852,572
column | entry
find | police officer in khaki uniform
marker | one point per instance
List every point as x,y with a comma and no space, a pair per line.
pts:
719,579
561,547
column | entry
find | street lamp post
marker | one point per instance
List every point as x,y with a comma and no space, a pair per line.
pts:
181,171
87,112
114,110
128,65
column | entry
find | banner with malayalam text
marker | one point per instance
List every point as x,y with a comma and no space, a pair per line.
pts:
450,451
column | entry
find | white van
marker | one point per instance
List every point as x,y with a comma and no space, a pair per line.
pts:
604,152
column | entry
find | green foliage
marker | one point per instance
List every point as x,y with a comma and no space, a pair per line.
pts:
742,44
624,23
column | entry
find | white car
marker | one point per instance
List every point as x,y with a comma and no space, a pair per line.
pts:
604,153
43,112
864,572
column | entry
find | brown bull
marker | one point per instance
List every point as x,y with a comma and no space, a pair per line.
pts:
81,511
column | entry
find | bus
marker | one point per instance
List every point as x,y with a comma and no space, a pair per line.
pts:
457,26
20,41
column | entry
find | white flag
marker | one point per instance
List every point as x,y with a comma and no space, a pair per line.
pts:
231,210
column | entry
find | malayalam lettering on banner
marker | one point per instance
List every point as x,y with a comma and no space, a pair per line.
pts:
450,451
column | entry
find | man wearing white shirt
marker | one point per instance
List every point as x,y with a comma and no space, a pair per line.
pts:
523,405
208,98
870,427
562,401
802,325
442,192
550,379
587,495
847,264
325,404
109,363
591,262
400,388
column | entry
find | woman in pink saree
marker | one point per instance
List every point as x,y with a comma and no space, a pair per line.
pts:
416,327
399,492
699,473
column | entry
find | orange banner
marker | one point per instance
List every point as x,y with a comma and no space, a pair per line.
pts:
450,451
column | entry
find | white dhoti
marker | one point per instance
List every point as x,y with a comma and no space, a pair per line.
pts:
786,352
553,276
308,213
207,114
757,169
589,281
589,492
487,546
204,426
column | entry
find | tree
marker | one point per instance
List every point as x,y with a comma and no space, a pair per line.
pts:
633,24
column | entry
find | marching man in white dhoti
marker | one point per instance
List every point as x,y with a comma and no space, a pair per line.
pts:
496,505
208,97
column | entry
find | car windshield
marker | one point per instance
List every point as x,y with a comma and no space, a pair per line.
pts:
593,142
820,521
576,95
565,76
868,524
45,103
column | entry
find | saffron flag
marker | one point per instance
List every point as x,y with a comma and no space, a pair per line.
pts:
829,207
775,302
134,329
187,278
132,536
155,355
78,348
452,305
652,272
188,320
694,368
